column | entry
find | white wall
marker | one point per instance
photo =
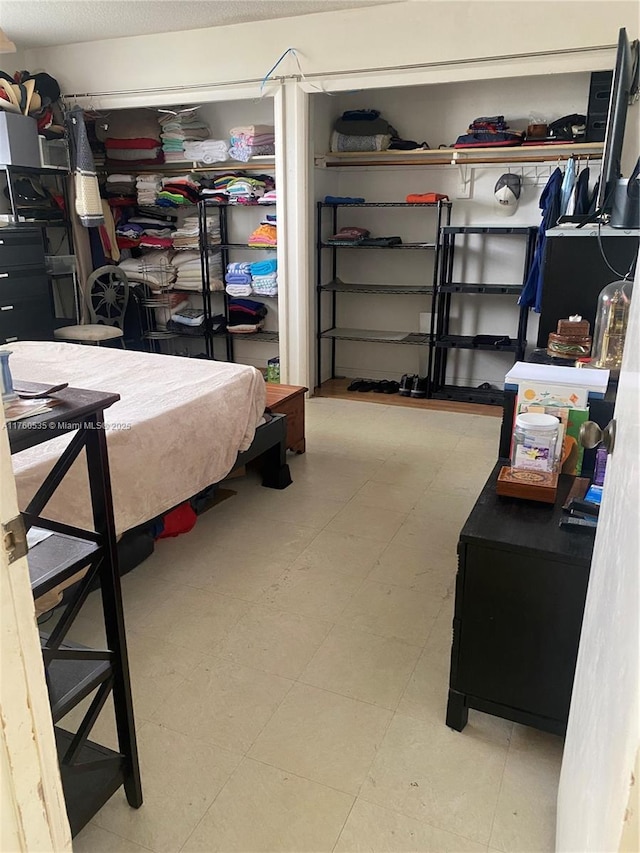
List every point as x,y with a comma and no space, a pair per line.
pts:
382,36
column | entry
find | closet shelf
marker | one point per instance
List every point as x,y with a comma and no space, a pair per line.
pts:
256,164
338,286
457,156
57,558
388,204
259,337
70,680
365,246
468,342
377,336
496,289
489,229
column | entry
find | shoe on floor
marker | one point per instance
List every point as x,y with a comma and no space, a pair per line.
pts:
419,387
390,386
355,385
406,383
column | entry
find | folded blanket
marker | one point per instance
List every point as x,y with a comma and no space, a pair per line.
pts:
207,150
339,199
239,289
426,198
342,142
140,142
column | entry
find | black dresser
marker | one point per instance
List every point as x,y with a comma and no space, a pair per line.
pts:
26,301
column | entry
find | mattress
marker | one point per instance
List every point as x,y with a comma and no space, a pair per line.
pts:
178,427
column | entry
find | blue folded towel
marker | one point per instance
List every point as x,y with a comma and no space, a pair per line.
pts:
264,267
338,199
237,278
242,267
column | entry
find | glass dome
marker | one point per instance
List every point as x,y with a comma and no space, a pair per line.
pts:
612,316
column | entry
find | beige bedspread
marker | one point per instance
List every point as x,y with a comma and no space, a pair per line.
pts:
188,420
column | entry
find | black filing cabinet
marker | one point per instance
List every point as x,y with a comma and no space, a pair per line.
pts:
26,302
520,594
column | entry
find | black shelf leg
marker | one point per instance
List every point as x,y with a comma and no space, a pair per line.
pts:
102,504
457,711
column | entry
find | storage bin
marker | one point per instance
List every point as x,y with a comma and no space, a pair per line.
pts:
60,264
54,153
18,140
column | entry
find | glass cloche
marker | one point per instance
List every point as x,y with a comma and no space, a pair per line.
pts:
612,316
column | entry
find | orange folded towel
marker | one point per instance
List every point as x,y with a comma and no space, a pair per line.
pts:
426,198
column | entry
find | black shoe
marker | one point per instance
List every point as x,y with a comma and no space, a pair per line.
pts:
356,384
406,383
390,386
366,385
419,387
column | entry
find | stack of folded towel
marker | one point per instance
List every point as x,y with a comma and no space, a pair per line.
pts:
245,190
147,188
154,269
265,236
189,271
252,141
268,198
238,279
187,236
179,128
179,191
264,277
121,190
207,150
246,316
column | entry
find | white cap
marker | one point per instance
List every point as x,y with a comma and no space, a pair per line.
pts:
507,192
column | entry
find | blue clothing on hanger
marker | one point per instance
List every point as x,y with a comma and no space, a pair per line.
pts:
568,184
582,193
531,295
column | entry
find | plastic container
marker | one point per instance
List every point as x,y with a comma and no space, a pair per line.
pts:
535,443
60,264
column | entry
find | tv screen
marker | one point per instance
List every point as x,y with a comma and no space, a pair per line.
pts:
616,121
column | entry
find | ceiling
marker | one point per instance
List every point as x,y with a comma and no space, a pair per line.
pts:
42,23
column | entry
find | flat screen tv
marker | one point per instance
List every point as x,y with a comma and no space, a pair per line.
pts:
623,82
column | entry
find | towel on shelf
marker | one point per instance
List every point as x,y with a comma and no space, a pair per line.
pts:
239,289
342,142
237,278
207,150
240,267
265,267
264,236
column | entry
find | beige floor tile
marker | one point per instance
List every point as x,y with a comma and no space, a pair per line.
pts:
387,496
329,485
402,470
372,829
391,611
432,572
94,839
425,697
273,537
310,509
224,704
324,737
181,776
419,530
193,618
273,641
525,818
341,552
362,666
264,810
452,507
311,591
448,779
367,522
242,574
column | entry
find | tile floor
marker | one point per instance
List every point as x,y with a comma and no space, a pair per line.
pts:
290,662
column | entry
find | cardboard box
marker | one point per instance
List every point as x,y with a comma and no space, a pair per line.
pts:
18,140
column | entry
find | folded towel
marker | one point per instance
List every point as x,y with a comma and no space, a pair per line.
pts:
264,267
338,199
377,142
237,278
239,289
426,198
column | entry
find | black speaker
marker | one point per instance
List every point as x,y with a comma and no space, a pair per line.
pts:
598,109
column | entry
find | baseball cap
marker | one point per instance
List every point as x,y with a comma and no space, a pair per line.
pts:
507,192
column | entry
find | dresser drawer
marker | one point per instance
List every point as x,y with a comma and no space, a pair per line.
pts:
21,247
26,319
23,283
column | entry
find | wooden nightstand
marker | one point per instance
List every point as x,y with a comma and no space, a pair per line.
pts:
289,400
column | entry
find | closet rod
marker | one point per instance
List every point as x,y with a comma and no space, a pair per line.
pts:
345,73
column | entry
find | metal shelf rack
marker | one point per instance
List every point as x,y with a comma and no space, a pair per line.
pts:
448,287
336,285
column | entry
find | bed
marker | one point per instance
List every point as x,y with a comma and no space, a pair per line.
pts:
181,425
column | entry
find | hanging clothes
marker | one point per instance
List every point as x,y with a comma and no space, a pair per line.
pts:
531,295
568,183
582,193
87,190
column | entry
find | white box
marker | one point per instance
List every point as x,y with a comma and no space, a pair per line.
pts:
18,140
